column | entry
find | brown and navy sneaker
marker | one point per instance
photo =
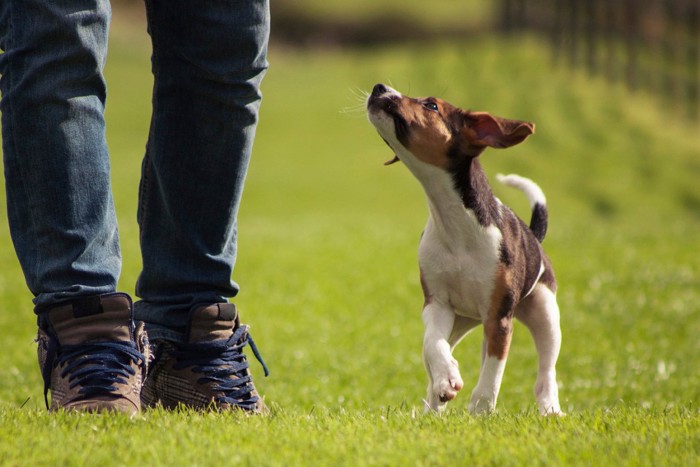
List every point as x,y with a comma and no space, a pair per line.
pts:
209,369
92,356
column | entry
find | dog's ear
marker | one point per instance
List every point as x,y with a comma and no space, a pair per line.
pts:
483,129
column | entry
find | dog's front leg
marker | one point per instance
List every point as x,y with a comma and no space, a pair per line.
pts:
497,338
443,372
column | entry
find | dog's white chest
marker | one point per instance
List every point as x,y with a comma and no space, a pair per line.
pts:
459,263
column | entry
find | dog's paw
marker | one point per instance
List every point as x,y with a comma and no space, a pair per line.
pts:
482,404
547,395
447,387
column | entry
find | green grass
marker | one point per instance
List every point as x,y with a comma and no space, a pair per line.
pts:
329,279
337,437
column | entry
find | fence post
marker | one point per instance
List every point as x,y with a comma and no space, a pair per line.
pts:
590,33
632,38
693,58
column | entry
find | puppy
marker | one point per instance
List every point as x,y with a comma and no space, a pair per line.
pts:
479,263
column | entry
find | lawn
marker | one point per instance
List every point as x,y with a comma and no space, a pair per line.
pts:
327,264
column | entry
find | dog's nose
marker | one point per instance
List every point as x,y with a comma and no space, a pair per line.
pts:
379,89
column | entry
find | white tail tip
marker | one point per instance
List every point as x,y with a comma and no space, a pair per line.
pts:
533,192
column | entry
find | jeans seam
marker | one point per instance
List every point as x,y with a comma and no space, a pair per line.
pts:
27,193
146,164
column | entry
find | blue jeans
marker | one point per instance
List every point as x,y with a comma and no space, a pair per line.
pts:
208,60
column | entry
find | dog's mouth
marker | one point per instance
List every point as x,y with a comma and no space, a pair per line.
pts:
392,161
383,113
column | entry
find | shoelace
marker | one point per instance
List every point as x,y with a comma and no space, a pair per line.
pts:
97,368
223,363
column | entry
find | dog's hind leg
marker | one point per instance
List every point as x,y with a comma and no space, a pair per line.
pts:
443,372
540,314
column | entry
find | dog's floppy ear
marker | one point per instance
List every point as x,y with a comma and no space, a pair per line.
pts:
483,129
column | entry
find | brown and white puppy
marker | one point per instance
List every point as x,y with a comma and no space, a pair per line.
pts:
479,263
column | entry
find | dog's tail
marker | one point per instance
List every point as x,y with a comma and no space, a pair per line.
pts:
538,203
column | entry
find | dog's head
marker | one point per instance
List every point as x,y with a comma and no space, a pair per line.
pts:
435,132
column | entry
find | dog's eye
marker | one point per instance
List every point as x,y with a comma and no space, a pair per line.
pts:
431,106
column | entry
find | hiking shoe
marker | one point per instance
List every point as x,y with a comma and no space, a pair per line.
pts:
91,355
209,369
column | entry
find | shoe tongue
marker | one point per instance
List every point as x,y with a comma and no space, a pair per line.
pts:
93,319
213,322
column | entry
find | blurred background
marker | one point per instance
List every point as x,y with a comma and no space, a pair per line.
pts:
652,45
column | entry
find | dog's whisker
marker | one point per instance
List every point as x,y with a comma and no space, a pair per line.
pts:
359,92
358,109
360,95
354,110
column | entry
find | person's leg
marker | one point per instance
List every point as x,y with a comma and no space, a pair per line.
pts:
208,61
59,201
